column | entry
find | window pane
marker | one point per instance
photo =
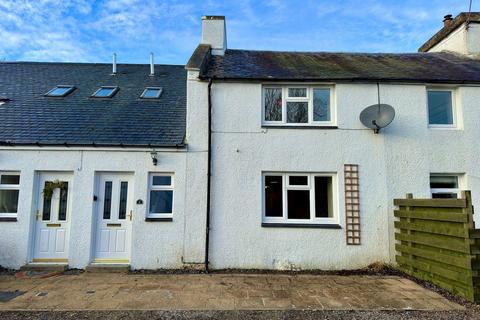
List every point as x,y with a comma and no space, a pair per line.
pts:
273,196
297,112
273,104
59,91
151,93
162,181
161,201
10,179
450,182
62,210
323,197
440,107
8,201
47,204
298,180
445,195
104,92
298,204
107,200
321,104
122,211
297,92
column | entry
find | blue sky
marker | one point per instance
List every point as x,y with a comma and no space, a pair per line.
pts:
90,31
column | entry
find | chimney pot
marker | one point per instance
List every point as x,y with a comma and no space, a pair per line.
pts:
447,20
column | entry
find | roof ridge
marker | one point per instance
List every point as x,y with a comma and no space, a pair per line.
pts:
335,52
89,63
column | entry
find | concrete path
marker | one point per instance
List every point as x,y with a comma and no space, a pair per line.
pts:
107,291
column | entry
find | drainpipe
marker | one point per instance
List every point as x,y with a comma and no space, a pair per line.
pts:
207,228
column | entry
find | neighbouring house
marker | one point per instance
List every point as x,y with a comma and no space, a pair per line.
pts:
246,159
93,167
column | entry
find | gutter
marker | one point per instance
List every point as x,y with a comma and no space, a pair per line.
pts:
209,166
91,145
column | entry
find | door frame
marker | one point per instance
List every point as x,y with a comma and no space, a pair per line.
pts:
36,198
95,218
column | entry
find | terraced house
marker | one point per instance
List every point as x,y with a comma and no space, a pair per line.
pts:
240,159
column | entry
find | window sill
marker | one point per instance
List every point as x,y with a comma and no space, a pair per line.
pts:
8,219
292,126
158,219
300,225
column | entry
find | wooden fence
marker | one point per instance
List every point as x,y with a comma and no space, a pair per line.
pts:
436,241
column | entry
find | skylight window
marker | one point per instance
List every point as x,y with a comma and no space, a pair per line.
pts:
151,93
60,91
105,92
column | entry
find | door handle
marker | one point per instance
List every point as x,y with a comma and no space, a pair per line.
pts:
130,214
38,215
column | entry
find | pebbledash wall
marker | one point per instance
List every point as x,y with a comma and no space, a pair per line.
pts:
154,244
392,163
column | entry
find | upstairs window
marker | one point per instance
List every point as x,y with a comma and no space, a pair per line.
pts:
60,91
299,198
105,92
151,93
9,189
444,186
297,105
441,108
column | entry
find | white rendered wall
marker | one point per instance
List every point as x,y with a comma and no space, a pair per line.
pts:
395,162
154,244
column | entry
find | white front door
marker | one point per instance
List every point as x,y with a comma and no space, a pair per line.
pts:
113,218
52,218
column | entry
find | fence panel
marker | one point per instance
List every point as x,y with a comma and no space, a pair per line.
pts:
437,241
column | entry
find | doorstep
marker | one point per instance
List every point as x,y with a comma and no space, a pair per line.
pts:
54,267
108,267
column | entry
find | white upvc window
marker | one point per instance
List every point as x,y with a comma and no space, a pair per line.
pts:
298,105
441,107
300,198
161,195
9,190
444,185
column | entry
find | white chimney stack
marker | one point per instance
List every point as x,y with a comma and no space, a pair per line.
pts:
114,64
214,33
152,65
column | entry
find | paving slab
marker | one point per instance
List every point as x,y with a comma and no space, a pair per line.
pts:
203,292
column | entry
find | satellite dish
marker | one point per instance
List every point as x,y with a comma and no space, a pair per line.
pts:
377,116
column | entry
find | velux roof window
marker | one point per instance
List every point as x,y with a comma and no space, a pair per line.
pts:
151,93
105,92
60,91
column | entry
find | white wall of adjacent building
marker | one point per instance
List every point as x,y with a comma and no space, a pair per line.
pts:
463,40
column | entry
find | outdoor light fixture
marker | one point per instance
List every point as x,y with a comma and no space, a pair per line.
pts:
154,157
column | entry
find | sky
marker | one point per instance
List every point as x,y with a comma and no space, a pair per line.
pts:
90,31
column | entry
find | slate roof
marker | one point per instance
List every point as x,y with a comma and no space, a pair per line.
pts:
330,66
80,120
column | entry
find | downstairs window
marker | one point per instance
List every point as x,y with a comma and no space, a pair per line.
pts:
160,196
444,186
299,198
9,190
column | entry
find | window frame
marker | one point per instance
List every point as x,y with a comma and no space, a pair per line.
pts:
71,88
152,187
334,220
308,99
10,187
113,93
457,190
142,96
454,124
